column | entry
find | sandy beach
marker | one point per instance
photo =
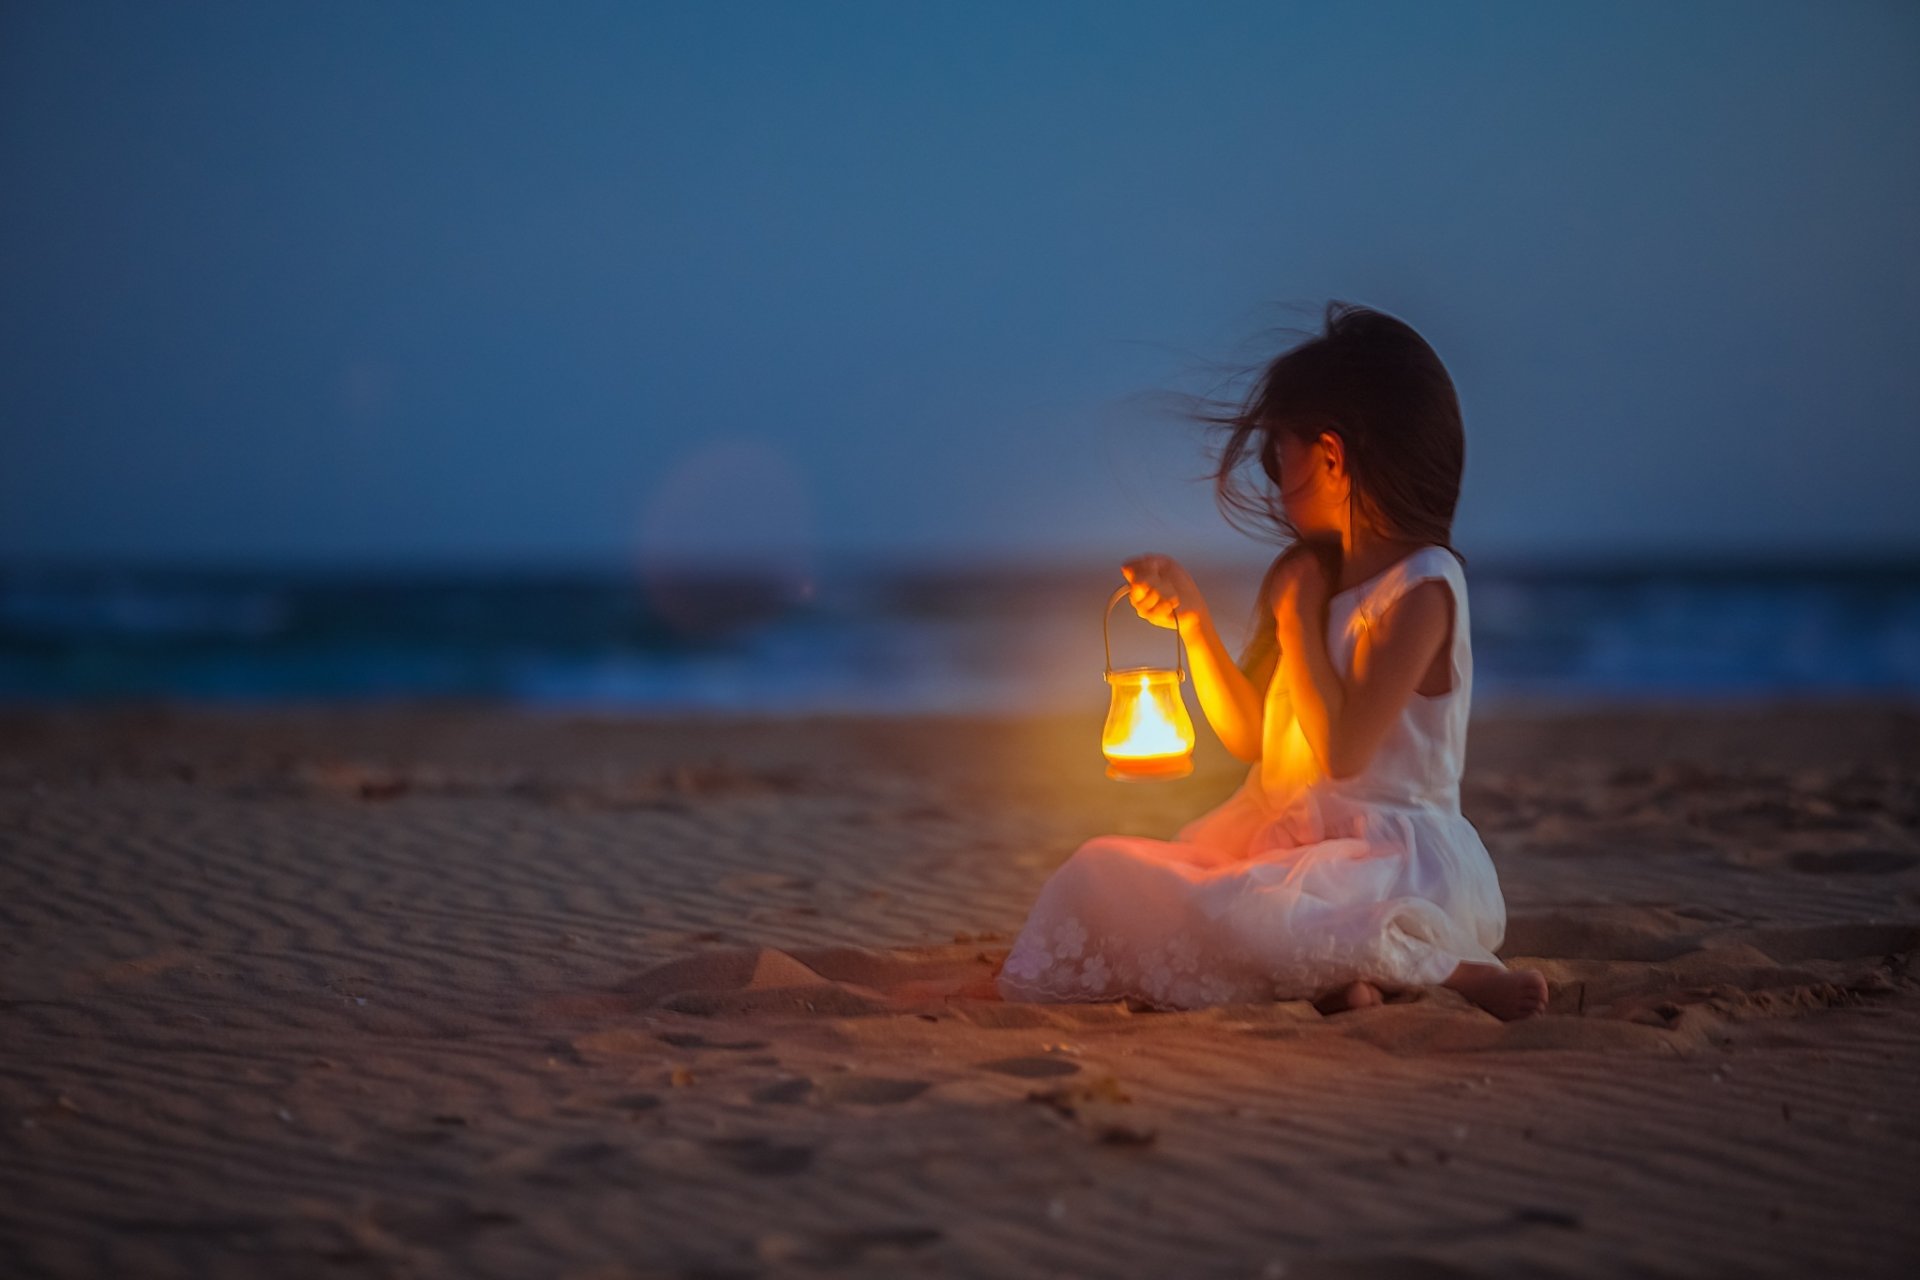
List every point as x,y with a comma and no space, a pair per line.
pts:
458,991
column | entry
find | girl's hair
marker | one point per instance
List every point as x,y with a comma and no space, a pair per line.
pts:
1368,378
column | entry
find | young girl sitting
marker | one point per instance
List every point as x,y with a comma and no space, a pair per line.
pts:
1342,867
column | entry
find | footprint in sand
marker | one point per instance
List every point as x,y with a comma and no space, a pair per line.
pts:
861,1091
783,1092
578,1164
693,1040
763,1156
872,1091
1031,1068
1852,862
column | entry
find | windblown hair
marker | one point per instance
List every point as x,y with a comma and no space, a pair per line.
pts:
1369,379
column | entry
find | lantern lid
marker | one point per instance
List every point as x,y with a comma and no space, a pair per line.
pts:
1145,675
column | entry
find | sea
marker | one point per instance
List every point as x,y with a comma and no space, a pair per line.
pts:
888,638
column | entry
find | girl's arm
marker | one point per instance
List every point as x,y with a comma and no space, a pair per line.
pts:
1344,722
1232,702
1164,594
1277,710
1261,659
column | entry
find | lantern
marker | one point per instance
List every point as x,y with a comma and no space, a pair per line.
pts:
1148,733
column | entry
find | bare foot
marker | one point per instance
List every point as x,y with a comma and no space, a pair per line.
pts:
1507,994
1355,995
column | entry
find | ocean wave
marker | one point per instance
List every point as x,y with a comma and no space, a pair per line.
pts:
875,642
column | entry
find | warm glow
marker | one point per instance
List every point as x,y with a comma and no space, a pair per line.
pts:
1148,732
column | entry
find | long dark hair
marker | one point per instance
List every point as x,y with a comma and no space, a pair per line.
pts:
1369,379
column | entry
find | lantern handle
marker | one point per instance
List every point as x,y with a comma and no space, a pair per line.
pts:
1179,645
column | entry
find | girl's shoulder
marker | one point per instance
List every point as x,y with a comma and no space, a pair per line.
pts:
1432,561
1425,564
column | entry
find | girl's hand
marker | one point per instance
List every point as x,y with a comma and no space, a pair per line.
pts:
1160,588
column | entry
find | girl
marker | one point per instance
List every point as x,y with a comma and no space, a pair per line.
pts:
1342,866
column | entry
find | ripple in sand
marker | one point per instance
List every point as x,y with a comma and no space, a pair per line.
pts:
1031,1068
843,1248
1852,862
637,1101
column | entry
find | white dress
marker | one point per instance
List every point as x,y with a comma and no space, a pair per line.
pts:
1298,882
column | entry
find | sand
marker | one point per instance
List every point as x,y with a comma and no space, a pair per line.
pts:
462,991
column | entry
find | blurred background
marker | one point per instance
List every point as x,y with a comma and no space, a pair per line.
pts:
795,357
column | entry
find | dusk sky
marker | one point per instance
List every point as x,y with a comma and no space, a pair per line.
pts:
386,283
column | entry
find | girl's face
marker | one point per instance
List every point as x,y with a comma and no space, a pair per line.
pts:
1314,484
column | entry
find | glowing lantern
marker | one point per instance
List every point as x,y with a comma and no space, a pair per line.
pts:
1148,733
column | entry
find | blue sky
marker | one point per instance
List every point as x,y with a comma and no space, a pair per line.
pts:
403,283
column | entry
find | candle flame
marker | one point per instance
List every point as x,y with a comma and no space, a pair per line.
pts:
1149,733
1151,724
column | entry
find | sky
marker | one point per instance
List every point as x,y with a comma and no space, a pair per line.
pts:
381,283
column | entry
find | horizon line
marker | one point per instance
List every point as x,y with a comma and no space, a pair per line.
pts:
1582,562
